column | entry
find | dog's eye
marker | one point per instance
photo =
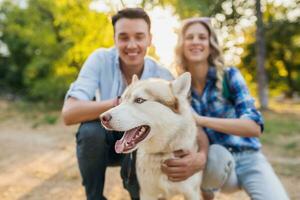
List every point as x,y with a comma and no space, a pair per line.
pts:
139,100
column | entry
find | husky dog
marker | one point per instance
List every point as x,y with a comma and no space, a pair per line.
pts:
157,120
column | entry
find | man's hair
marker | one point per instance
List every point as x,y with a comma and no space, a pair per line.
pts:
131,13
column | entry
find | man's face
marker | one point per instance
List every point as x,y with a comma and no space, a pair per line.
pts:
132,38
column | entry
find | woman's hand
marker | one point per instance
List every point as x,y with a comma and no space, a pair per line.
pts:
184,165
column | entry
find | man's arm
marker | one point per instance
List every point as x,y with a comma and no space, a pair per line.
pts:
187,163
76,111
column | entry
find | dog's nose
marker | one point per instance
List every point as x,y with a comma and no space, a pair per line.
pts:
106,118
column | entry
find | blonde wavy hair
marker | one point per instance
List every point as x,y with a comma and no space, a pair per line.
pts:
215,58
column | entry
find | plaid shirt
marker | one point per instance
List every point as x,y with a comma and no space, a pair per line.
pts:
240,105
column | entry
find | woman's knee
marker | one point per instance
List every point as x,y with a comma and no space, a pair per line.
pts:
219,167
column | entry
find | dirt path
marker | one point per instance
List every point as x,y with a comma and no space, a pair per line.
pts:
39,163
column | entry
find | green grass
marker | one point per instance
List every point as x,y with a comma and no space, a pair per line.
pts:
49,119
278,124
282,125
35,113
26,106
282,133
287,169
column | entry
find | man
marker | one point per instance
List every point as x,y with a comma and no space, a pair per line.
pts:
110,71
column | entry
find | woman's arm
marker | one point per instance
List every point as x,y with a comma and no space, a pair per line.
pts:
239,127
248,121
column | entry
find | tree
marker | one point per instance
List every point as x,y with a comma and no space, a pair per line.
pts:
48,42
261,56
232,12
282,35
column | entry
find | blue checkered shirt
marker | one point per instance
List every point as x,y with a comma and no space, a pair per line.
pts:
239,105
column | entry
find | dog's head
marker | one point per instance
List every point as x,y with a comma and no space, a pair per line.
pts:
149,109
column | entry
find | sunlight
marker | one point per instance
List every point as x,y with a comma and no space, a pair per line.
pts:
163,24
164,36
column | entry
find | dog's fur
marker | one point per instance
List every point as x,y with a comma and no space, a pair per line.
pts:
162,108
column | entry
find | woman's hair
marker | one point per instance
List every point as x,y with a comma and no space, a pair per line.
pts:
215,58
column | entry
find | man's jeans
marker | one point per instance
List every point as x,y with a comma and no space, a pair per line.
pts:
95,152
249,170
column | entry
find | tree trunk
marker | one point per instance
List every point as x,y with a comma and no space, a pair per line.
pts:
261,56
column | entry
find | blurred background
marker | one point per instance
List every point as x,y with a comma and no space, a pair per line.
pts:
43,44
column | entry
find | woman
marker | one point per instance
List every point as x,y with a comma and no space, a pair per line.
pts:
227,113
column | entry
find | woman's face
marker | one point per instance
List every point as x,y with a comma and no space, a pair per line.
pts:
196,44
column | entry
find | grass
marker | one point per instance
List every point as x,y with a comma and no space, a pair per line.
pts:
35,113
49,119
282,133
287,169
281,138
282,125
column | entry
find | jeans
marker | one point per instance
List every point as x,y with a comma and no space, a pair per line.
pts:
249,170
95,152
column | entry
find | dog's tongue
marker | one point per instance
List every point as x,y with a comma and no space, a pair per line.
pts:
127,137
119,146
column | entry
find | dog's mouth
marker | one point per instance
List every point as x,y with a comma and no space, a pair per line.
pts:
131,138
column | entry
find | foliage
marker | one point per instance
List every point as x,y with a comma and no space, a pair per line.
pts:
188,8
282,33
48,41
283,50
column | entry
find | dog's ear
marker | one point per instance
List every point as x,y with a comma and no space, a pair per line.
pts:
135,78
182,84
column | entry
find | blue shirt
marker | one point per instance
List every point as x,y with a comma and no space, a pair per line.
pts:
240,105
101,71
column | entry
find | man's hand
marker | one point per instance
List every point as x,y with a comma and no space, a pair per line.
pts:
117,101
184,165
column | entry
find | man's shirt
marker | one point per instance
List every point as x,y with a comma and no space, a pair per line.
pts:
101,71
240,105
